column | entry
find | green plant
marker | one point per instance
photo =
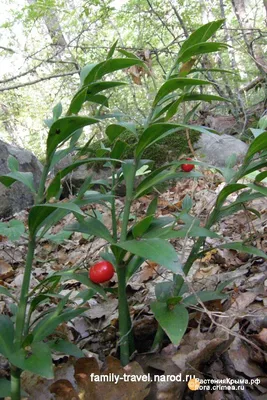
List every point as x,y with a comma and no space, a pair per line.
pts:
28,346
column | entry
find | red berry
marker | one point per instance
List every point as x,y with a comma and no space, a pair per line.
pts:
101,272
187,167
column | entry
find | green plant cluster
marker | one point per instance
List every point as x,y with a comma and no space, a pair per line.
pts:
26,340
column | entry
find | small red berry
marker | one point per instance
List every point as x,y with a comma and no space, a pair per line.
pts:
101,272
187,167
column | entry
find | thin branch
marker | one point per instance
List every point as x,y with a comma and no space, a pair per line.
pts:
46,78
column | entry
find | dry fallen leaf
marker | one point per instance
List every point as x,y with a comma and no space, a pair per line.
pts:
6,271
94,384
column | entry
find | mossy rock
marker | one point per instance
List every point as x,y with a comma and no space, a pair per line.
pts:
166,150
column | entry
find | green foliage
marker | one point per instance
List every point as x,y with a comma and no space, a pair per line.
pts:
26,346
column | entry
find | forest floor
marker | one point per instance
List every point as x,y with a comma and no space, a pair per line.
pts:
225,338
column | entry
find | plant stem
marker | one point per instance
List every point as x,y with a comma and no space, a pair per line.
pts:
40,194
21,313
123,316
15,383
158,338
113,208
126,337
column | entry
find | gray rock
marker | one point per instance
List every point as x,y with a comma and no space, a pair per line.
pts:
17,197
215,149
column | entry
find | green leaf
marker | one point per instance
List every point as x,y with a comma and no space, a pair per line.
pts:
202,34
118,149
156,250
97,87
57,111
49,323
239,246
164,291
193,299
38,360
258,188
5,292
58,238
77,101
128,54
112,49
224,193
39,213
108,66
62,346
261,176
98,99
24,177
80,277
193,97
63,129
258,144
91,226
152,208
177,83
158,131
142,226
159,176
54,186
133,266
12,163
114,130
6,336
173,321
12,229
5,388
169,233
200,48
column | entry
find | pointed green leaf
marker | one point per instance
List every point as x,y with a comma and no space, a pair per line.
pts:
57,111
24,177
112,49
202,34
108,66
201,48
6,336
49,323
157,250
258,144
177,83
63,129
193,299
62,346
158,131
224,193
39,213
159,176
142,226
239,246
173,321
91,226
37,360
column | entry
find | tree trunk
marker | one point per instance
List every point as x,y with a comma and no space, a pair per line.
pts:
254,49
56,34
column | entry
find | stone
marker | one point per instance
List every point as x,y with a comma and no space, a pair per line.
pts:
215,149
17,197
